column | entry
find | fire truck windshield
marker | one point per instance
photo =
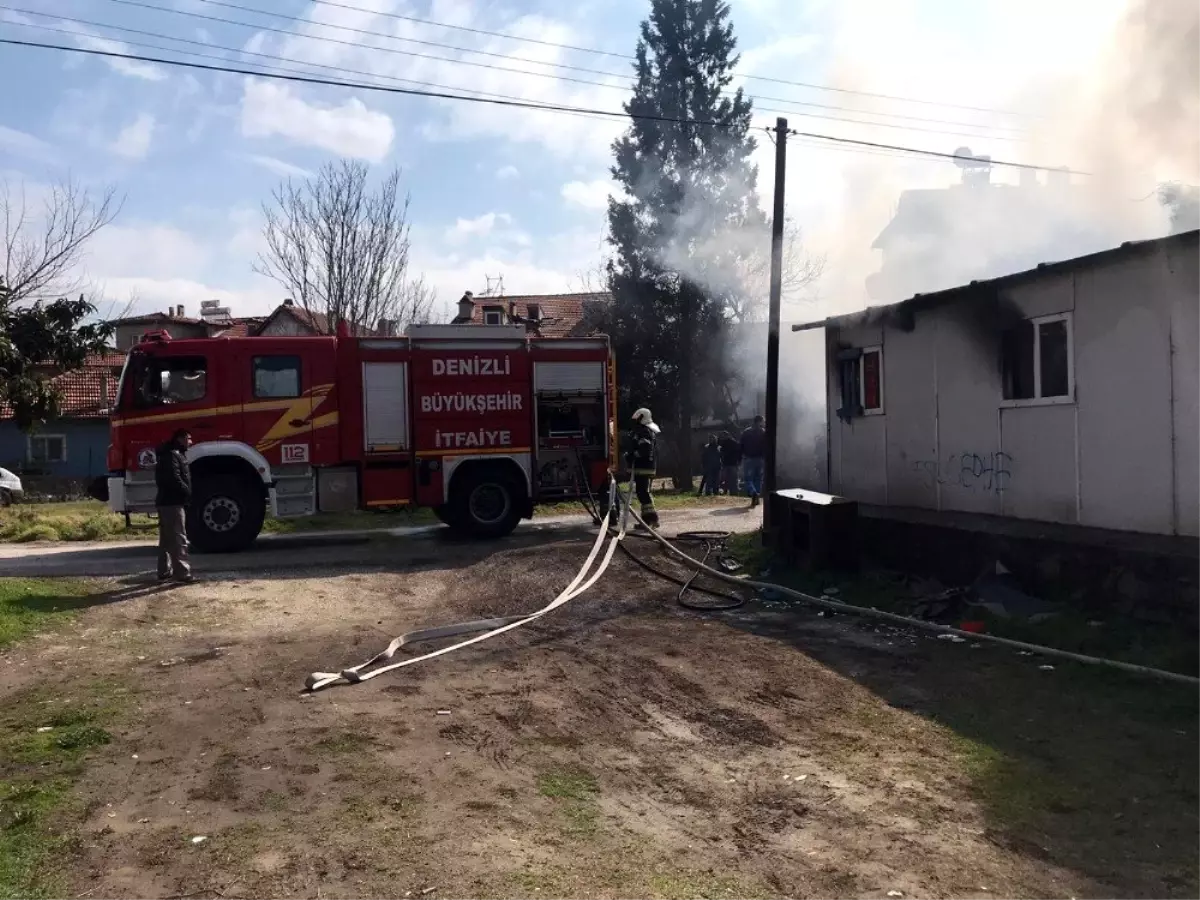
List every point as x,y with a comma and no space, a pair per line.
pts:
163,380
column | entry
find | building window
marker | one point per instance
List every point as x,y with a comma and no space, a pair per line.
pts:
860,372
47,448
1038,360
276,376
534,312
871,380
493,315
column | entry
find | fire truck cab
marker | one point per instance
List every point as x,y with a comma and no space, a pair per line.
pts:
477,422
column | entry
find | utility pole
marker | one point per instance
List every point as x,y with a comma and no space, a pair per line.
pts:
772,398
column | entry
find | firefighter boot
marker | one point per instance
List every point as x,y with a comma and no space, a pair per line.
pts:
650,515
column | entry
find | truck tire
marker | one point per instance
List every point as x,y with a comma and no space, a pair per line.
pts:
226,514
486,502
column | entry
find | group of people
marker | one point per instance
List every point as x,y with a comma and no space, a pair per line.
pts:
723,459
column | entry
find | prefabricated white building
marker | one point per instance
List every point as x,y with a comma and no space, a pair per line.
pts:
1063,394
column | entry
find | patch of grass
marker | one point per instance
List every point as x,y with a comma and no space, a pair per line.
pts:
576,793
664,498
28,842
344,742
37,769
29,605
687,886
83,520
748,549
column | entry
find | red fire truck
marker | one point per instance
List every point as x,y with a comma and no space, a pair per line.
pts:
478,422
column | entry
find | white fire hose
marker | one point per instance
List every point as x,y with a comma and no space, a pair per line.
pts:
493,627
490,627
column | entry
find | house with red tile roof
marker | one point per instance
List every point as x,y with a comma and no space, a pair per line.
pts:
547,315
73,448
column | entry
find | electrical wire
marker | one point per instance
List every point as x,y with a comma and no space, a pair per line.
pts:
217,57
584,69
516,71
942,155
512,103
626,56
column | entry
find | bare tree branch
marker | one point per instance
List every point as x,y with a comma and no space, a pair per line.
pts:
342,251
41,254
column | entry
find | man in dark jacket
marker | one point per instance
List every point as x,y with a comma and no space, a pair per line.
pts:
173,479
731,458
754,458
642,458
710,467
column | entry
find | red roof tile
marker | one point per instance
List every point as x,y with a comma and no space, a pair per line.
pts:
83,390
559,315
243,327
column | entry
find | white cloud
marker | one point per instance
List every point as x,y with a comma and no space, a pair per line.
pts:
279,166
530,75
480,226
588,194
349,129
20,143
133,141
132,68
506,172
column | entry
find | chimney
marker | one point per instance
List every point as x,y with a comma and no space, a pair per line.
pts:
179,311
386,328
105,404
170,313
288,301
466,306
1029,178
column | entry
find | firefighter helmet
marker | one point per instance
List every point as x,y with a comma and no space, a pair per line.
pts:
644,417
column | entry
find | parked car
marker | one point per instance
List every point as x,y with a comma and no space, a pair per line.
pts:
11,490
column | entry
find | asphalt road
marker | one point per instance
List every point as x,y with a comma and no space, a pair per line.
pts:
339,550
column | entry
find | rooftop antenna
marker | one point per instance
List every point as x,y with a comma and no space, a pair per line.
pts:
495,286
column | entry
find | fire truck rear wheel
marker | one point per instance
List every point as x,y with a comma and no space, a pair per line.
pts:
486,502
226,514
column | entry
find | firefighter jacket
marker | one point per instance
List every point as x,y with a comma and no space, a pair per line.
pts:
642,455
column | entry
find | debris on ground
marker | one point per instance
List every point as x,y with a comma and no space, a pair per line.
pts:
200,839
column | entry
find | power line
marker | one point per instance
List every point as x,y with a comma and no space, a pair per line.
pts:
508,102
493,66
803,84
328,82
538,62
935,153
214,56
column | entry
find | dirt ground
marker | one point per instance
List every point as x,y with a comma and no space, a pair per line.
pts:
622,747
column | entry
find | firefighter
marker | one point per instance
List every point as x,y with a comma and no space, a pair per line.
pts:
641,458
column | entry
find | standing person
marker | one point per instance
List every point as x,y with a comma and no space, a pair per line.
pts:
731,458
173,479
710,465
754,458
642,458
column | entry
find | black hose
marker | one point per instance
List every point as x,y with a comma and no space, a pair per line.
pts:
712,540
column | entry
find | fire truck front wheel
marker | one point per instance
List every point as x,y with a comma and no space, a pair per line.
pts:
226,514
486,501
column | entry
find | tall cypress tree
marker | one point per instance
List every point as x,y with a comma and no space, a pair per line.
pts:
690,200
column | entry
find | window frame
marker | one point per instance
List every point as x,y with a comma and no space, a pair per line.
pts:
152,359
254,373
42,436
497,311
862,381
1038,400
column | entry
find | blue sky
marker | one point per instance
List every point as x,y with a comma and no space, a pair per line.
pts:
494,191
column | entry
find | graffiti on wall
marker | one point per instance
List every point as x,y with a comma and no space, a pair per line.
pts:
987,472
